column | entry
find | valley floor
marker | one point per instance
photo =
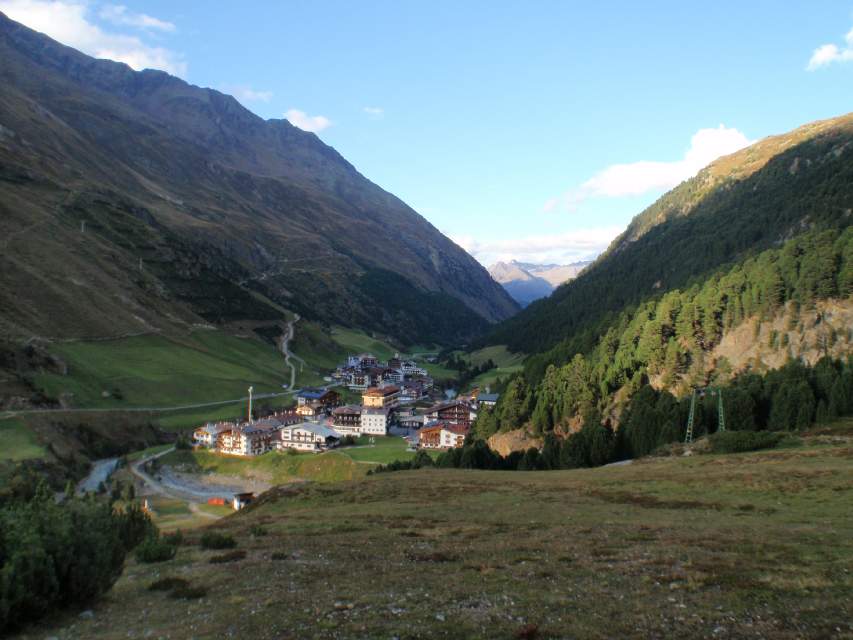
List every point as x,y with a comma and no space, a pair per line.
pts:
740,546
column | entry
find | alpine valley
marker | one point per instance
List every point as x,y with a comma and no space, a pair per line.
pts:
247,393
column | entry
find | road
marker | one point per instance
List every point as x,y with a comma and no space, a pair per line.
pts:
199,405
101,471
286,352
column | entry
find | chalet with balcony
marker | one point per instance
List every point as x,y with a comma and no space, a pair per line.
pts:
380,397
346,420
456,412
442,436
307,436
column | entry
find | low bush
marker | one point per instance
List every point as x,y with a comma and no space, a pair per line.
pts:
256,531
216,540
155,549
231,556
176,538
279,555
741,441
188,592
168,584
56,555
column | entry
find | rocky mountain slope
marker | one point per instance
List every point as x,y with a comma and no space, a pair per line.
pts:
527,282
135,202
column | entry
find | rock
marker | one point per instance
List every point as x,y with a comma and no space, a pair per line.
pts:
88,614
439,617
343,606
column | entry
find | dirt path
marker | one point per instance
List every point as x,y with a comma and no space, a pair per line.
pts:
285,350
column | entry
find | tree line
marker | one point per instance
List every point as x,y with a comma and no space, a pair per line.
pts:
670,338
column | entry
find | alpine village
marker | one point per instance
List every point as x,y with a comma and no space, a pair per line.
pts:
598,385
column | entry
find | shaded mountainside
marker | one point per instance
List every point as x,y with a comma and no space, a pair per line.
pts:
737,207
133,201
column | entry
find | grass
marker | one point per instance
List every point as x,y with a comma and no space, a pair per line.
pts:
19,441
384,450
355,342
273,467
748,545
192,418
507,364
160,371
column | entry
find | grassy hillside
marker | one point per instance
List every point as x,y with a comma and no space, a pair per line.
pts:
507,363
272,467
157,371
710,546
19,441
133,202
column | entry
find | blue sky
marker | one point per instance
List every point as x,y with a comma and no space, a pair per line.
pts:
522,130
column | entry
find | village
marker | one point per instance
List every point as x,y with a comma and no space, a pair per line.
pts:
398,398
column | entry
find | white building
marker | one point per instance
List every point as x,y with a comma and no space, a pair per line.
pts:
374,421
307,436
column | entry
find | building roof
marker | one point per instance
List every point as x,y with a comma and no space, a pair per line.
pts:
488,397
346,410
444,426
317,429
382,392
447,405
313,393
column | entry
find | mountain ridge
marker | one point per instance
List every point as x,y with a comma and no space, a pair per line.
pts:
529,281
262,203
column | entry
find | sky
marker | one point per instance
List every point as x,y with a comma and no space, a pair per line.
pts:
522,130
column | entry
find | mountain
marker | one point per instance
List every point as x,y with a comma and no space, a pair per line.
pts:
527,282
556,274
733,209
740,278
136,202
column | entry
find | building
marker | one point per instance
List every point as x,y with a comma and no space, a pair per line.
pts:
310,411
411,391
457,412
307,436
487,399
207,435
346,420
326,398
374,421
248,439
241,500
362,361
442,436
380,397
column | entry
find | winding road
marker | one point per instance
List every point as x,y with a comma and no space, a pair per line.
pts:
287,353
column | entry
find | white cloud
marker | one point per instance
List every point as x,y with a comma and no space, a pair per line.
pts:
829,53
637,178
305,122
118,14
582,244
247,94
67,21
376,112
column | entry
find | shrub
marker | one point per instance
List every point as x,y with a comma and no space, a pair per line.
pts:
740,441
257,531
231,556
168,584
176,538
216,540
188,592
279,555
58,554
155,549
